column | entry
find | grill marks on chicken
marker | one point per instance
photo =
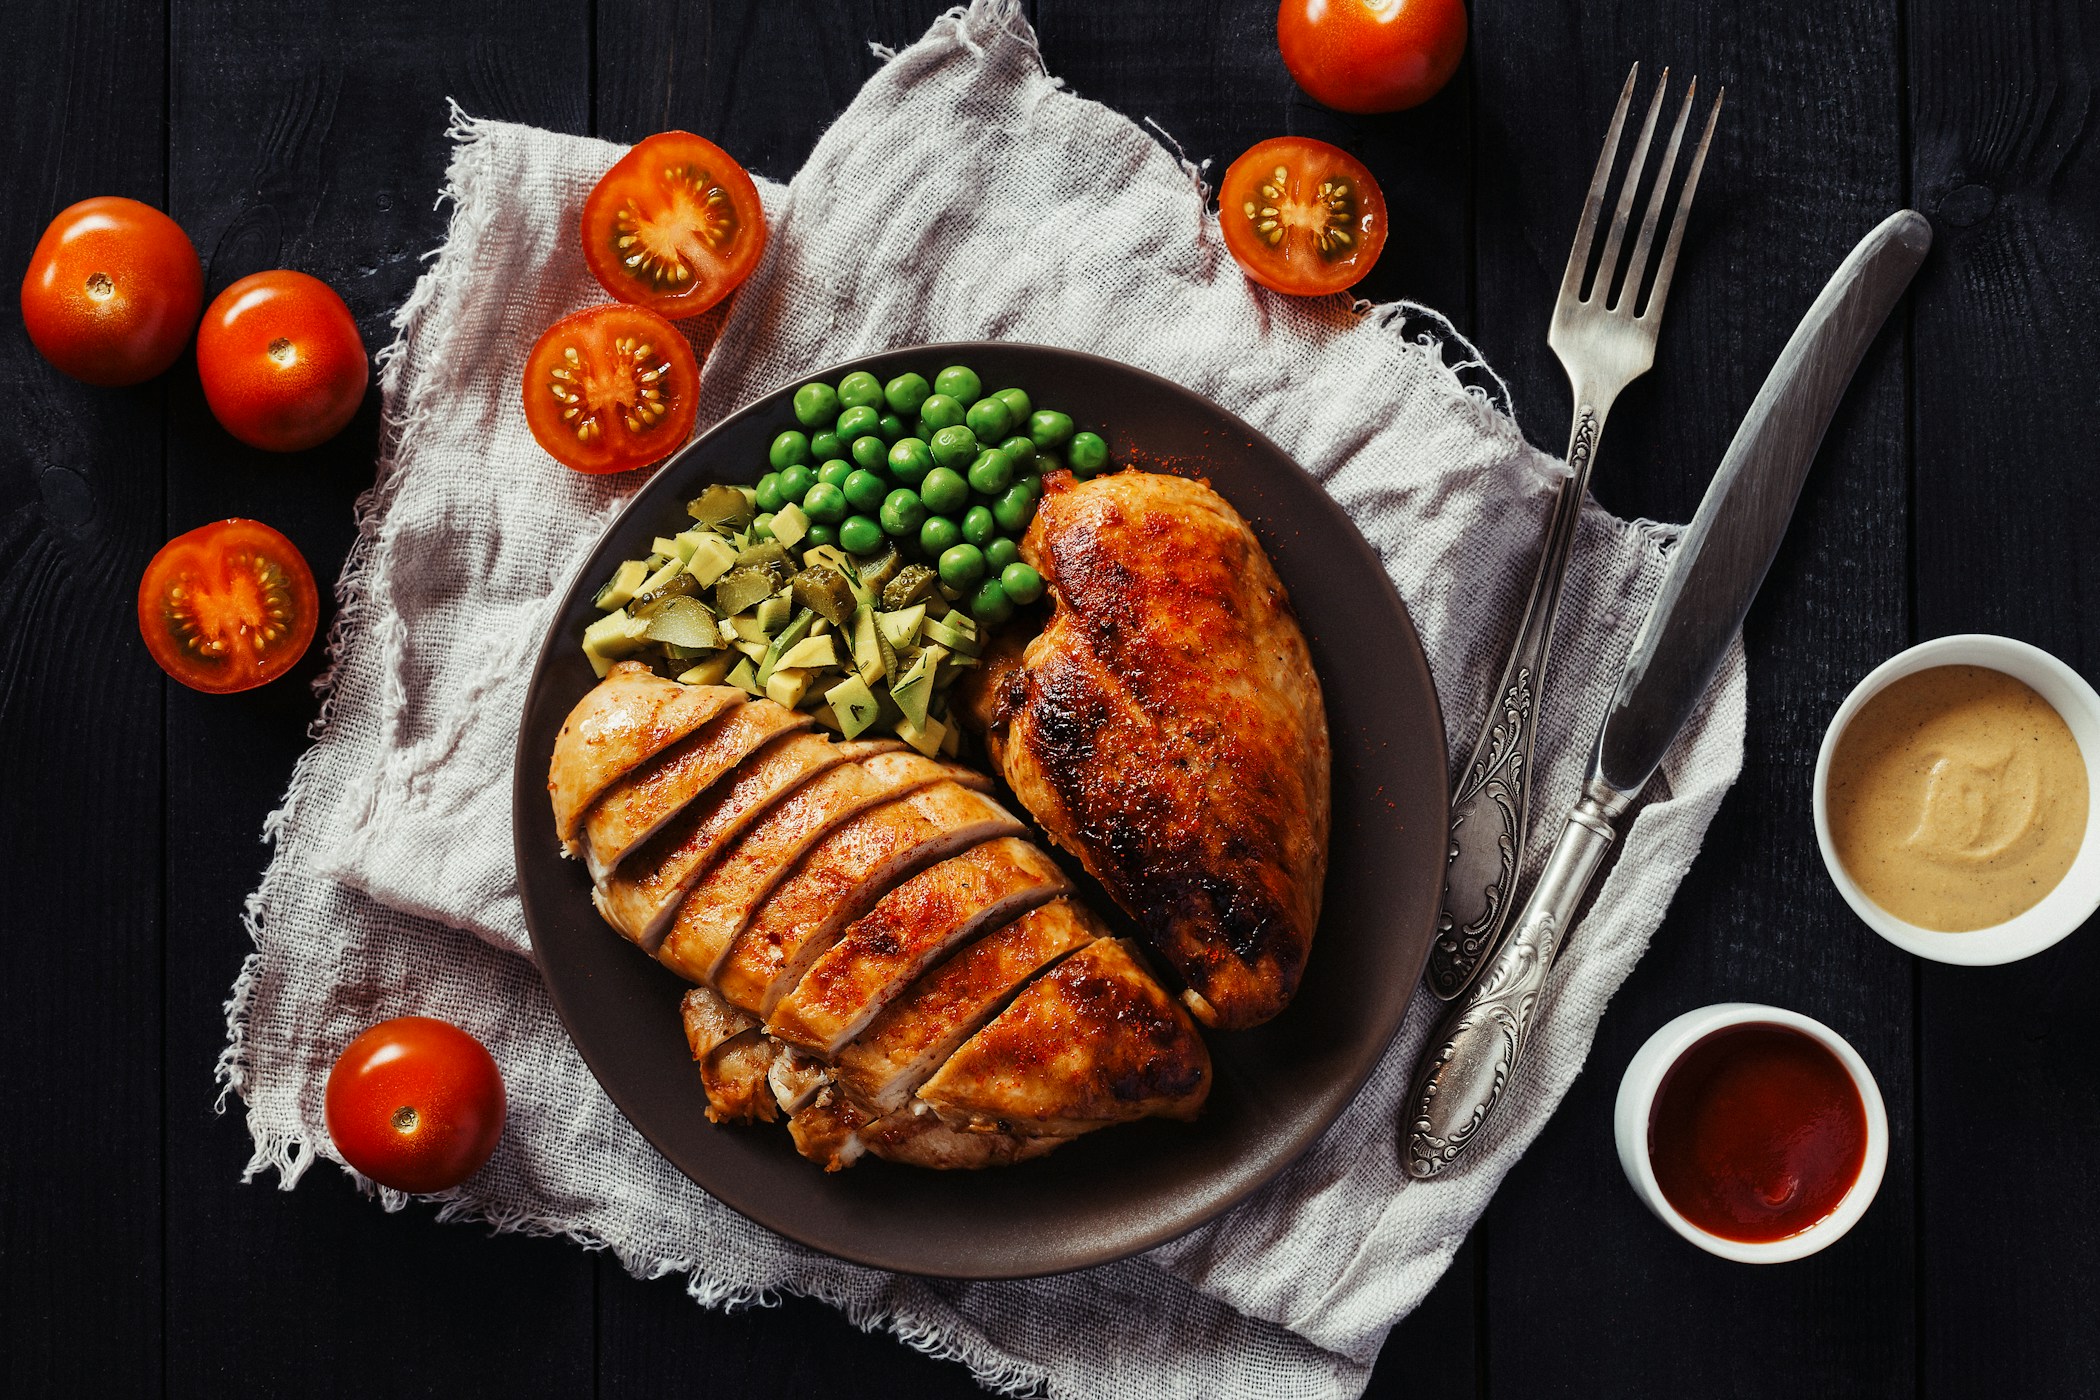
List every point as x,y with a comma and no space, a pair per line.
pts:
1167,728
860,918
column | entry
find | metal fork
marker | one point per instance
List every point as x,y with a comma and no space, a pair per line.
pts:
1604,342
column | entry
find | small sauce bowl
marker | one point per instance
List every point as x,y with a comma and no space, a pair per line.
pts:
1635,1112
2075,897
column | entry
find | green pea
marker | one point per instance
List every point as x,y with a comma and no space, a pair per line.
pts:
789,449
869,453
944,491
978,527
938,534
959,382
1022,584
1001,553
820,535
826,445
865,489
941,411
860,389
1033,482
1022,451
903,512
769,493
1050,428
762,528
1013,509
1088,454
954,447
891,427
962,565
816,405
1017,402
860,535
906,392
992,472
910,460
859,421
795,483
989,604
1047,462
990,419
825,504
835,472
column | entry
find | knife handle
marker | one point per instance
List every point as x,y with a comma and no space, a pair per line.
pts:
1473,1055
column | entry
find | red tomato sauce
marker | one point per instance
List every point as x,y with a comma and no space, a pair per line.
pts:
1757,1133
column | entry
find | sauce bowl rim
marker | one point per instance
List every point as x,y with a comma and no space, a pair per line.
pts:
1635,1107
2074,898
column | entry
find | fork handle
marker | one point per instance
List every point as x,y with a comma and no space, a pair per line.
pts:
1491,800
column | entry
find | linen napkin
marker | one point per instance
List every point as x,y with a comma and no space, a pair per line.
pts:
917,218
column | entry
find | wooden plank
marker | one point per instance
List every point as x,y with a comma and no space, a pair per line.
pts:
2006,420
317,142
1582,1284
80,507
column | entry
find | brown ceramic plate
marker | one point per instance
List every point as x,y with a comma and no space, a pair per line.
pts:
1127,1188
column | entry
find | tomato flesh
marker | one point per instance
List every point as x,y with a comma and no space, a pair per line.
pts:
675,225
112,291
1301,216
228,606
283,366
416,1104
1371,55
611,388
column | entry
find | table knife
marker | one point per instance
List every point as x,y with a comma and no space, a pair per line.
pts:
1715,572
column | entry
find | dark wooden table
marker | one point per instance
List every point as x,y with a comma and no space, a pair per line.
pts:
1952,495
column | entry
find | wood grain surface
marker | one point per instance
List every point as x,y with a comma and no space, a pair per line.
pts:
1951,495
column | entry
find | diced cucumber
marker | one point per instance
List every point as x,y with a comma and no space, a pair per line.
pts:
902,628
663,576
774,612
914,688
619,590
926,738
790,525
945,632
787,687
951,741
668,548
810,651
755,649
744,676
854,704
711,671
867,649
711,558
611,637
829,718
789,635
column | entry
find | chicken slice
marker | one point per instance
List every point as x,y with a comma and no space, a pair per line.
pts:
838,1133
844,875
941,1010
737,1076
1095,1040
625,720
641,898
911,926
636,807
709,1021
722,899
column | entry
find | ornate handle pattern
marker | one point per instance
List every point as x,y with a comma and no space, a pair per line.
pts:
1491,803
1470,1059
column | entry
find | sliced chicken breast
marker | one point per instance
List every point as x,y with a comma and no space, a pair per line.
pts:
838,1133
636,807
941,1010
625,720
911,926
737,1077
842,877
721,902
709,1021
1095,1040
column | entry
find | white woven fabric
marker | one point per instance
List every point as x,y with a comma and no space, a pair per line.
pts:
921,216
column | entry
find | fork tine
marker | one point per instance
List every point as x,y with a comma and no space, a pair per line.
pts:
1629,293
1608,265
1586,231
1684,210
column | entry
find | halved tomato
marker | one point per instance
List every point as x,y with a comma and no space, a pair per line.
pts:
611,388
1301,216
675,225
228,606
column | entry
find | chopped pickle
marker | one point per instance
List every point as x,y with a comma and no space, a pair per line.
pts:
744,676
712,671
876,570
790,525
825,590
620,589
914,583
831,557
810,651
774,613
712,557
766,554
681,585
794,632
722,507
902,628
742,587
680,621
854,704
669,570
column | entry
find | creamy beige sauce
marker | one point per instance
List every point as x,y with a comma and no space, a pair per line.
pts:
1957,798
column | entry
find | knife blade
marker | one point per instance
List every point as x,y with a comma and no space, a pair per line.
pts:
1719,564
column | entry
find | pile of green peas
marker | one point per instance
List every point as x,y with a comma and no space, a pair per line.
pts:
950,473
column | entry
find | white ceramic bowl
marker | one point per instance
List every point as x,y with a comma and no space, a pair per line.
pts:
1636,1105
2076,896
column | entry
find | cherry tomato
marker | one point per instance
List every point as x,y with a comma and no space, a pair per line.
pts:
1302,216
283,366
112,291
228,606
611,388
675,225
416,1104
1371,55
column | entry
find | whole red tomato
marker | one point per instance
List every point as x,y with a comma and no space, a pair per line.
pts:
112,291
416,1104
283,366
1371,55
